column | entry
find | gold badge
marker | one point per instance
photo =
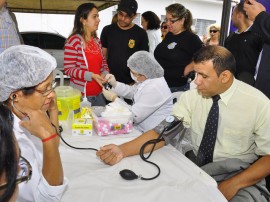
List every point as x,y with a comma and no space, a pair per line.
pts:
131,43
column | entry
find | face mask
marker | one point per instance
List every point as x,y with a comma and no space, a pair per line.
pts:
134,78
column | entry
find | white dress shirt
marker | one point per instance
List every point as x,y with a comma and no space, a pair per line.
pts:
154,37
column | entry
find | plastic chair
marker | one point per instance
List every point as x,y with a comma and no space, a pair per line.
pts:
60,74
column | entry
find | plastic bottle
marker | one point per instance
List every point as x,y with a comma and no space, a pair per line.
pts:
85,107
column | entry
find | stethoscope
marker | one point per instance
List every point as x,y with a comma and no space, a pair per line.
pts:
129,174
58,132
25,116
126,173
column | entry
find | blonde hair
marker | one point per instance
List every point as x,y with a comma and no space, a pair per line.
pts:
216,26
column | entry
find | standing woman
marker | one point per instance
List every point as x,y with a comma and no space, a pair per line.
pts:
164,30
27,88
175,52
214,34
83,58
151,24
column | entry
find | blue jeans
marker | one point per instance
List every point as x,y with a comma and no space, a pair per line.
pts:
98,100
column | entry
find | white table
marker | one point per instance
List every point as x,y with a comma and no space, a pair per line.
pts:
92,180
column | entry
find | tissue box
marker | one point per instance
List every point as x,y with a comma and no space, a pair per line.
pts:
113,125
82,127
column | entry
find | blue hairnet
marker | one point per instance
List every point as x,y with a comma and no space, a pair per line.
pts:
144,63
23,66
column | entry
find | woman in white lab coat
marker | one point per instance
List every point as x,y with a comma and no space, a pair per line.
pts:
151,96
27,88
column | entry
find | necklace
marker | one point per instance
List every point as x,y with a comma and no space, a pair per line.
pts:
92,47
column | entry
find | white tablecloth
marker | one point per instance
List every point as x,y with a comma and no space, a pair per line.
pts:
92,180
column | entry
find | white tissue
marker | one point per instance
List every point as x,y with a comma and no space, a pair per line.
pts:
116,113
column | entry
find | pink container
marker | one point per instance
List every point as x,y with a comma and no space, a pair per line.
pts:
113,125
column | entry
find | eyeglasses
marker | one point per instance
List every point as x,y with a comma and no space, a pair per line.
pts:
171,21
214,31
47,92
24,174
164,27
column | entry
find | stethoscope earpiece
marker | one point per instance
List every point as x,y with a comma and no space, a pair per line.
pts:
13,105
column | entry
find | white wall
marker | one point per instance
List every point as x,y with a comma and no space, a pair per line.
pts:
202,9
55,23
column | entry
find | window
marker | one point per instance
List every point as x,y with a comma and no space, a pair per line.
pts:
31,39
201,25
52,41
162,18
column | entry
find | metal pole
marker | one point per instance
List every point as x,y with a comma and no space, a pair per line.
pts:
226,12
41,9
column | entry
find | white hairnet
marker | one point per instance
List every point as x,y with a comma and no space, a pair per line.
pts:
144,63
23,66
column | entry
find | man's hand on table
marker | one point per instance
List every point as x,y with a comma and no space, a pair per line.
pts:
110,154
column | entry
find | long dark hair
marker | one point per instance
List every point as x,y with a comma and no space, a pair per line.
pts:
82,12
8,152
153,21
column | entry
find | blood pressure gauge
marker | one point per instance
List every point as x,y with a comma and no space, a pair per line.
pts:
169,119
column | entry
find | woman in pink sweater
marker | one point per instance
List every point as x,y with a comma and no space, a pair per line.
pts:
84,61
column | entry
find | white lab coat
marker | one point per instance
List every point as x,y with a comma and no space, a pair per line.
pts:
37,189
154,38
152,102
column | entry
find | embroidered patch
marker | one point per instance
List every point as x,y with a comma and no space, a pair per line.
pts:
131,43
172,45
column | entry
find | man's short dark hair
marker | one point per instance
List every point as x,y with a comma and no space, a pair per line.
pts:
222,58
240,8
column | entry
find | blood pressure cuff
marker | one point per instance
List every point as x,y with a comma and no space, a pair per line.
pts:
174,132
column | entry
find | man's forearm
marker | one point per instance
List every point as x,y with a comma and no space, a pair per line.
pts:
133,147
253,174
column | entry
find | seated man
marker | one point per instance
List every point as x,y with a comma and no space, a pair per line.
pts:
240,128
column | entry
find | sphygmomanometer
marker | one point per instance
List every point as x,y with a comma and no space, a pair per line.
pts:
168,128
